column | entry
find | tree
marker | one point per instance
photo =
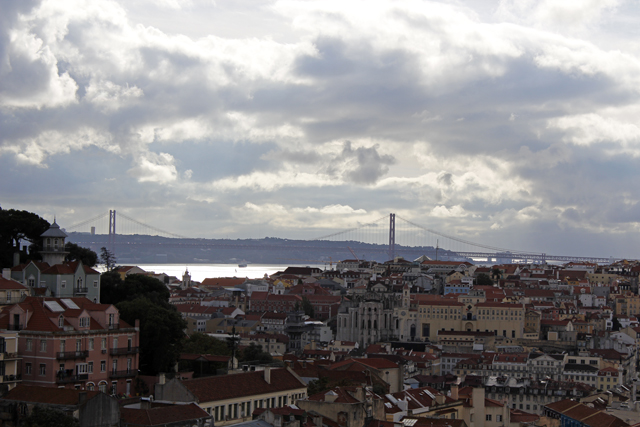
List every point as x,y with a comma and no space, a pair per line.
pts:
78,253
107,258
254,353
200,343
307,307
484,280
616,324
49,417
16,226
114,289
161,333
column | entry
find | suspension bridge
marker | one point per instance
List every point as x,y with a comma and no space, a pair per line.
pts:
387,237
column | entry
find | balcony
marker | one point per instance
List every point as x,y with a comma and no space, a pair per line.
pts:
80,291
123,374
121,351
11,378
67,355
14,327
8,356
69,376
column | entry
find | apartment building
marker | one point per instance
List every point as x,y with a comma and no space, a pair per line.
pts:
73,343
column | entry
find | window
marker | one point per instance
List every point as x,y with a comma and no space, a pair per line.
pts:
102,386
90,367
63,284
103,366
114,387
499,418
90,343
62,346
43,345
488,417
104,343
95,283
27,368
78,345
29,344
43,369
60,322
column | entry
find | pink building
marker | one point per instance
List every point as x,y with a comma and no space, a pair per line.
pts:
74,343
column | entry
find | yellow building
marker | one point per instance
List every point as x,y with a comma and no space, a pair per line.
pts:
232,398
431,316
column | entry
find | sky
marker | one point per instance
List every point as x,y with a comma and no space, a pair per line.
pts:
512,123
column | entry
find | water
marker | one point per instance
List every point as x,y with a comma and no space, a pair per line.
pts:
199,272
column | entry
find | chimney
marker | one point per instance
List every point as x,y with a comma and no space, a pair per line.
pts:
454,391
16,258
6,273
267,374
162,378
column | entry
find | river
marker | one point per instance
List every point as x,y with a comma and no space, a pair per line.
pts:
199,272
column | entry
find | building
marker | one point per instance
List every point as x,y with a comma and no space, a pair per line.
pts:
74,343
231,399
10,374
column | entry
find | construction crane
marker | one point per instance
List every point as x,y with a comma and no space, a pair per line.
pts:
353,253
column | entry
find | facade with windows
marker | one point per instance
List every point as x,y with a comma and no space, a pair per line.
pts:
74,343
10,374
231,399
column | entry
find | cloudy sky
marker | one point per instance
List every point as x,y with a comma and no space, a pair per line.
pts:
513,123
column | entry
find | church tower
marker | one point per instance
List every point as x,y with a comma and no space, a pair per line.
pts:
186,280
53,251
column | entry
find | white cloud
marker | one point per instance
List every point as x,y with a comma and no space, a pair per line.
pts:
156,168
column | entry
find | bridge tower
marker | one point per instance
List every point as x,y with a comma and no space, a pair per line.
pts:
392,236
112,229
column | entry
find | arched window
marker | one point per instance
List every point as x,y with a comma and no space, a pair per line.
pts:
102,386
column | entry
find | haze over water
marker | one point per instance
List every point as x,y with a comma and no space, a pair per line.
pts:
199,272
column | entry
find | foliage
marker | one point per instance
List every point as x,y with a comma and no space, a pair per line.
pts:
49,417
114,289
161,333
379,389
78,253
496,273
254,353
140,387
483,280
200,343
307,307
318,386
108,259
16,226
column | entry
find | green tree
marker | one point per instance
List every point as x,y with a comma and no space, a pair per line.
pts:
307,307
254,353
114,289
16,226
161,333
199,343
49,417
484,280
108,259
78,253
318,386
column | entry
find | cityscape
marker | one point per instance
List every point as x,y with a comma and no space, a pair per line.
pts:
319,213
359,342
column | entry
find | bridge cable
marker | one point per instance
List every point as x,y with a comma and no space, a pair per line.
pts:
151,227
351,229
493,248
80,224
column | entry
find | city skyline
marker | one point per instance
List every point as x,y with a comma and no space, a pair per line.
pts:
510,123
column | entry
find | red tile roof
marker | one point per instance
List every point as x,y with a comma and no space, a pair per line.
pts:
244,384
163,415
52,396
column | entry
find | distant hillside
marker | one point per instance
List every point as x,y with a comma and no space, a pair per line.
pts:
142,249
